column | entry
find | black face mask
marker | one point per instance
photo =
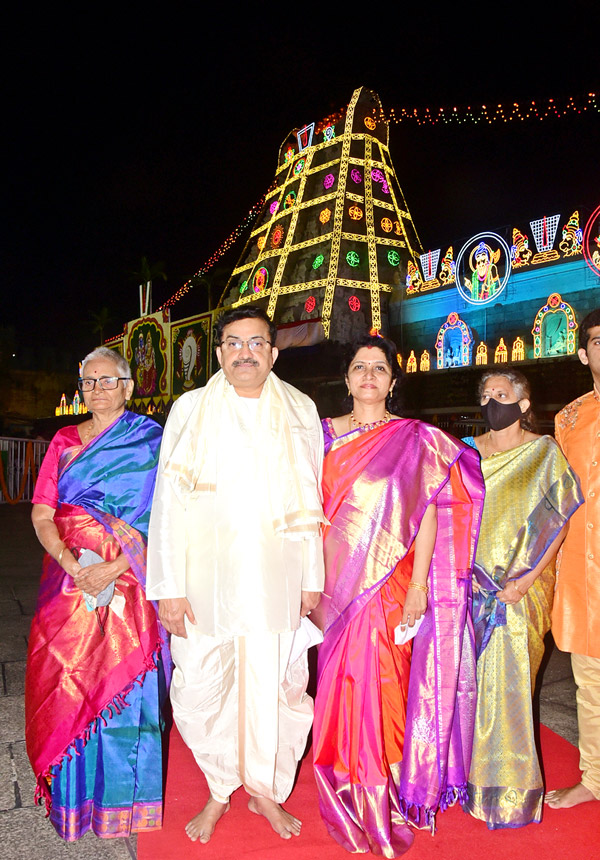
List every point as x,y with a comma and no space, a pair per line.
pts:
500,415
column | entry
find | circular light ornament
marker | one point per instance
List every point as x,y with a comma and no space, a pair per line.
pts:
370,123
310,304
261,279
328,181
386,225
328,133
354,303
487,269
356,176
355,212
385,187
318,261
260,242
377,175
393,258
299,166
591,238
324,215
277,236
290,199
352,258
274,207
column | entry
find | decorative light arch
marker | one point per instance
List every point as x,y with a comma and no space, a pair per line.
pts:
481,357
561,339
454,343
518,350
501,353
425,362
411,364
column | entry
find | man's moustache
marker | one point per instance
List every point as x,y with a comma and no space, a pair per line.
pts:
251,361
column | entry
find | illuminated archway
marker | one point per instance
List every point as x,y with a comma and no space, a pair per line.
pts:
481,356
454,343
554,328
501,353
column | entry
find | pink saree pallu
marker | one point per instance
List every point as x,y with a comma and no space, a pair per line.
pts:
394,724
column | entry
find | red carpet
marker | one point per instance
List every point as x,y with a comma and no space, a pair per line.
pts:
564,834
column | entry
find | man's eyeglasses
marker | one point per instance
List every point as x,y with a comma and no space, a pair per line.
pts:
106,383
255,344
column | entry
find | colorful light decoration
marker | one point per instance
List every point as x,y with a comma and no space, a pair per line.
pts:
352,259
274,207
355,212
425,362
354,303
277,237
328,181
481,356
310,304
555,108
591,233
520,252
289,154
457,352
261,279
399,358
328,133
572,236
299,166
290,199
377,175
318,261
393,258
387,225
518,350
385,187
356,176
411,364
305,136
243,287
324,215
484,285
544,233
370,123
501,353
561,340
260,242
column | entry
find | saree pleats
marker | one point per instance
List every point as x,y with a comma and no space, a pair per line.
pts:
530,494
387,726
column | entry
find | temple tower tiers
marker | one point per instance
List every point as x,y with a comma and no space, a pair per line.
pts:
334,236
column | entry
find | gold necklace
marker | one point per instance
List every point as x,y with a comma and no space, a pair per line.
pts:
354,422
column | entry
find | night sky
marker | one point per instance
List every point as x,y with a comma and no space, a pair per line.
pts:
155,136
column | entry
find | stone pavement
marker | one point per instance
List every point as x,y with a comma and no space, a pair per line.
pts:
24,831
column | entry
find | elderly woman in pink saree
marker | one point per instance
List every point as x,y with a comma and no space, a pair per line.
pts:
393,722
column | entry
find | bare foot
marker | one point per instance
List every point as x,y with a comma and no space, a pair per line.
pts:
281,821
202,826
564,798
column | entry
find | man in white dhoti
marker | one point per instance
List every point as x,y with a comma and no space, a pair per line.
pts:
235,559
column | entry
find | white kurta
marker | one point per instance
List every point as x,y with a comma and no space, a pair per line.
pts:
239,704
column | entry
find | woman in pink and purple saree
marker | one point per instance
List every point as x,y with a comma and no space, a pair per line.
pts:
97,654
393,722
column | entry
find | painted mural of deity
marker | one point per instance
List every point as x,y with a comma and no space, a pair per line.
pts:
484,281
145,359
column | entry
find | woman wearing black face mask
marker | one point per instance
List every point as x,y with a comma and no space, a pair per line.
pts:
530,494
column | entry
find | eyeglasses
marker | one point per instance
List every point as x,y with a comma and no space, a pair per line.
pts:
106,383
254,343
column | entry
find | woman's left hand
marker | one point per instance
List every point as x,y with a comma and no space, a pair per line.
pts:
510,594
414,606
95,577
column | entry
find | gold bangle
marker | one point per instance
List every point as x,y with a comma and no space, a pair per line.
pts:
420,587
60,555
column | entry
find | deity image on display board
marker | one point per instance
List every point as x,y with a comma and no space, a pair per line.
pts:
190,354
146,354
482,268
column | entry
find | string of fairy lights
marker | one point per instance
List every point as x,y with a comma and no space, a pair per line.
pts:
537,110
216,256
490,113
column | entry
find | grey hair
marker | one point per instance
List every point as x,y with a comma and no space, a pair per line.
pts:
520,383
122,365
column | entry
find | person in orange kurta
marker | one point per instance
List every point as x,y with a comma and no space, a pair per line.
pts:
576,612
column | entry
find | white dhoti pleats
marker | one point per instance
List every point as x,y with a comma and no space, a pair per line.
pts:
242,709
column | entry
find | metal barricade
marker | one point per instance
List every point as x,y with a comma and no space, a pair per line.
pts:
20,461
